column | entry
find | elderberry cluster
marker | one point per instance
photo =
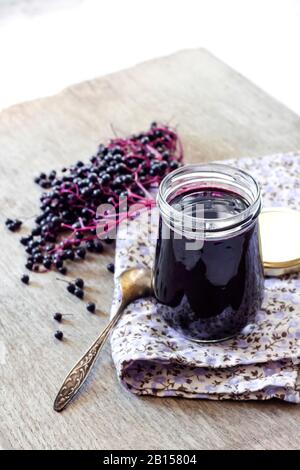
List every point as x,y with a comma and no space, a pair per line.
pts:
65,229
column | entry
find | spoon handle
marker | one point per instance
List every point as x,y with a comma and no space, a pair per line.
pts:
78,374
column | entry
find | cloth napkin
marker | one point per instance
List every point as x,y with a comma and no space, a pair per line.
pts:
261,363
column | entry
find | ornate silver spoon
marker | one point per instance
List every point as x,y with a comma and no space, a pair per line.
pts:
134,284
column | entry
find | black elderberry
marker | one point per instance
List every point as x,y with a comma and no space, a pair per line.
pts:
47,263
45,184
25,279
49,247
33,244
158,134
91,307
162,167
69,254
58,317
56,221
83,183
154,170
65,216
80,253
127,179
145,140
117,150
79,235
86,192
85,212
111,267
93,177
97,193
90,246
111,170
108,158
79,283
105,178
63,270
121,168
173,165
101,148
79,293
59,335
94,159
36,231
58,263
117,158
38,258
71,288
131,162
24,240
35,251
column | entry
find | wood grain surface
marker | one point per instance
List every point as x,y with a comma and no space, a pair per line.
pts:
219,115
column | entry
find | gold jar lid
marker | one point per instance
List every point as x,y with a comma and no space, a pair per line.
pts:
280,240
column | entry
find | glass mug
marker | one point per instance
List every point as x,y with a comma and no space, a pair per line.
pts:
208,264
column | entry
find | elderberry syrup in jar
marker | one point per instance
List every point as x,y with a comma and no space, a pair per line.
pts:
208,266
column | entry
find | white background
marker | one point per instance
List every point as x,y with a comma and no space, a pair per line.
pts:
46,45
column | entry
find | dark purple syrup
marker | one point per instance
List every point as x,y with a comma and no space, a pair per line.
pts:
214,290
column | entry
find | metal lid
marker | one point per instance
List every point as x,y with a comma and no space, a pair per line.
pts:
280,240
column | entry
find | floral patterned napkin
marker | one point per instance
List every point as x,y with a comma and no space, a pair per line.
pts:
261,363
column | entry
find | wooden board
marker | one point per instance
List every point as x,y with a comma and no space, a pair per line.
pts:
219,115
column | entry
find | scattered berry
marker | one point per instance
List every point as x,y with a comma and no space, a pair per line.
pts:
63,270
79,293
71,288
57,316
111,267
91,307
79,283
59,335
25,279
